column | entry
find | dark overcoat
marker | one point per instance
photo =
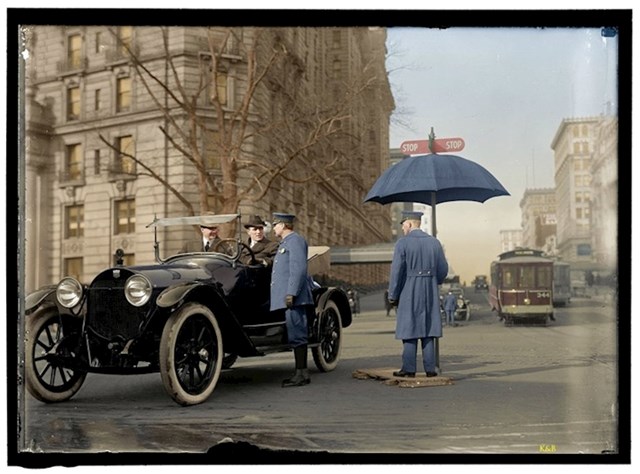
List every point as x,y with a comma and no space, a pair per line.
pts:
418,267
263,250
289,273
198,245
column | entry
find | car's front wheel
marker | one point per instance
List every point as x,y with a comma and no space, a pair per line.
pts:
47,343
191,354
327,354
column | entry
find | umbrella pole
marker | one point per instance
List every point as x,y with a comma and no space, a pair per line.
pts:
434,233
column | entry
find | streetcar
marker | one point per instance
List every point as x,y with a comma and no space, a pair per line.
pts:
522,287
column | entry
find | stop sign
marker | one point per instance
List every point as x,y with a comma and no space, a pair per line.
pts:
440,145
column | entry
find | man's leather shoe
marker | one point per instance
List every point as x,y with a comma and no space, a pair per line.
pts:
432,374
300,378
402,373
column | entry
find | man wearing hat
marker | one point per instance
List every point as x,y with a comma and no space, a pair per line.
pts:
206,243
290,289
417,268
262,249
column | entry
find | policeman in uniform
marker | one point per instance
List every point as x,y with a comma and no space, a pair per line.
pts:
417,268
290,289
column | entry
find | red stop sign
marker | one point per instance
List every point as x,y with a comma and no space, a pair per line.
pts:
440,145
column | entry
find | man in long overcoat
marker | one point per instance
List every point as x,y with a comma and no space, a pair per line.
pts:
417,268
291,289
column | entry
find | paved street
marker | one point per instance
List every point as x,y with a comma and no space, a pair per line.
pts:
517,390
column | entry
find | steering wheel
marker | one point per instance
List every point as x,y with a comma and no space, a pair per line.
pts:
230,246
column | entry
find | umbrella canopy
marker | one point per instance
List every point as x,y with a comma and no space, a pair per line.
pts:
450,177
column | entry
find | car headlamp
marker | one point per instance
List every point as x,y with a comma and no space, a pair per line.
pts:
137,290
69,292
460,303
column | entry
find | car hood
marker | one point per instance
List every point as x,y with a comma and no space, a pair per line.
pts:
174,272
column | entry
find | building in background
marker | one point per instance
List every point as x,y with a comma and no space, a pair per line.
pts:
510,239
94,138
396,208
581,147
538,207
604,196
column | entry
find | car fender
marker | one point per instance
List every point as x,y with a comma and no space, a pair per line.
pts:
234,337
175,294
339,297
35,299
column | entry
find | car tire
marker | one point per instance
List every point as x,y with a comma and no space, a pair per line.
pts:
191,354
326,354
46,379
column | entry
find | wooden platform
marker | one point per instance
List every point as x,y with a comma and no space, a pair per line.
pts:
387,377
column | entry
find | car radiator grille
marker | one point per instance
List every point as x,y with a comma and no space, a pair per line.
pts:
109,314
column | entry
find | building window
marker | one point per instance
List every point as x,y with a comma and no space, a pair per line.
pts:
337,68
73,267
74,51
97,101
74,221
123,94
125,38
125,217
336,38
221,84
124,164
73,163
583,250
99,44
73,103
96,162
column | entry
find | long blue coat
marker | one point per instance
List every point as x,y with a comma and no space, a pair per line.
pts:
289,273
418,267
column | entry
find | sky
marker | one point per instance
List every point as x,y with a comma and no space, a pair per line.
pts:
505,92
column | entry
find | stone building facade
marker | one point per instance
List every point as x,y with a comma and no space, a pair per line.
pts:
538,208
585,151
91,104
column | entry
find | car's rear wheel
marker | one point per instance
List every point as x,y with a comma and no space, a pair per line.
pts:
327,354
47,341
191,354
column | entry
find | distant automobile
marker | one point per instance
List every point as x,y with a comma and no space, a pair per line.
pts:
463,311
188,317
480,283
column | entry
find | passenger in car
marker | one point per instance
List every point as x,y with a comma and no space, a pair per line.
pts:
262,248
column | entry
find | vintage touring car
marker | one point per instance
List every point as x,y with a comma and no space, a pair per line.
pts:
188,317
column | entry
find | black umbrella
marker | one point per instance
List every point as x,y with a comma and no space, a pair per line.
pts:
433,179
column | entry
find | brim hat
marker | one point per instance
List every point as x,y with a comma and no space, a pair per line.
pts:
255,221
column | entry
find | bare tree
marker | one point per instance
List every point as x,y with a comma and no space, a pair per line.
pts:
273,128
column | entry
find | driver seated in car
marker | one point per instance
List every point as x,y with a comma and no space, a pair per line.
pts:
262,249
206,244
